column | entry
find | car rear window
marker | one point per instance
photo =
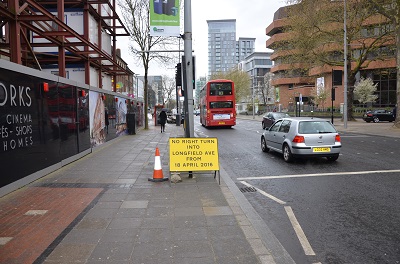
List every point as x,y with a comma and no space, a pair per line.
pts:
316,127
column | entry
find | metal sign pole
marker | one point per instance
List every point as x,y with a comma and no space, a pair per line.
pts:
189,132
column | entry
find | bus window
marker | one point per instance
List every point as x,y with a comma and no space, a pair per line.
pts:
214,105
223,88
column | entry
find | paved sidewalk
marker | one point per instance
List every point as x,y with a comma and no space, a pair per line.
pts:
103,209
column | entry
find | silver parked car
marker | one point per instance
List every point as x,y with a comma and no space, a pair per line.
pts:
297,137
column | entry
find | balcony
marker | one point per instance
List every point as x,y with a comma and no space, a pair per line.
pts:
292,80
275,27
289,66
277,38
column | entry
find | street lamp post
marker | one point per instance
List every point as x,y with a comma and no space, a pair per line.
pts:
252,99
188,64
345,65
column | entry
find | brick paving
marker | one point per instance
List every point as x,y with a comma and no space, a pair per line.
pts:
32,218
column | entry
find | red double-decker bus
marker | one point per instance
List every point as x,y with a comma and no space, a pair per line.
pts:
217,104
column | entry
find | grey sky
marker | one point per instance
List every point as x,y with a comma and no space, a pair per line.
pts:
252,17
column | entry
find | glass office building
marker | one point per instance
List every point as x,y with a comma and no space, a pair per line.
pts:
244,48
224,52
221,45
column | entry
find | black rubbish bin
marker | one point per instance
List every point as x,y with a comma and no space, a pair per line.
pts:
131,123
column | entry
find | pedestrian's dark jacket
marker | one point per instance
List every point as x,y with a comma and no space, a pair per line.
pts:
163,117
106,117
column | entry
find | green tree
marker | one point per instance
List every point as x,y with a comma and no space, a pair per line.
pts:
319,94
168,91
318,37
364,91
391,10
241,80
136,17
267,90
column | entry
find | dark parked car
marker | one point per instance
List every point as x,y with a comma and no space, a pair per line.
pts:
297,137
378,115
270,118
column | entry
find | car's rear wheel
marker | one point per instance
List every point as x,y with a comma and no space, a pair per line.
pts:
264,147
376,120
287,154
333,158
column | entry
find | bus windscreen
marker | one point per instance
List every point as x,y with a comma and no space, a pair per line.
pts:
214,105
223,88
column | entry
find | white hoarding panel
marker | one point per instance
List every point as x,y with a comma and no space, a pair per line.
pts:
94,77
73,19
106,43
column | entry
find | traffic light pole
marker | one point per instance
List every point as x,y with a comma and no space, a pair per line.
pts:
189,102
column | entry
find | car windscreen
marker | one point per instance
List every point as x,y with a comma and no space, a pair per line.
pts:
316,127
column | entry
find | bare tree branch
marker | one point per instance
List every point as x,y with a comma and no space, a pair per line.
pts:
136,17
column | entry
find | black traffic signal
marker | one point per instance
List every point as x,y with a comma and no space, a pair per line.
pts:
336,77
178,75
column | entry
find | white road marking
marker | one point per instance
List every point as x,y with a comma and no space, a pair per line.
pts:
264,193
317,175
299,232
293,220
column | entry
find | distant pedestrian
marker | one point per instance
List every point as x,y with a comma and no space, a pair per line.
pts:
106,119
395,111
163,119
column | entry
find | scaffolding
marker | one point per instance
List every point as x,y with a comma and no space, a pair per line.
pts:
23,22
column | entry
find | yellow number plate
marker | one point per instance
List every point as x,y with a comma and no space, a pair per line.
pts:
221,123
321,149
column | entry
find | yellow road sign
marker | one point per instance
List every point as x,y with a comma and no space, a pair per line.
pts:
193,154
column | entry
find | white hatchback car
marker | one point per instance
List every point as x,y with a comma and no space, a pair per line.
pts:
297,137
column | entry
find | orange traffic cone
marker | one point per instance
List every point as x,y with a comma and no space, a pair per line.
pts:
158,174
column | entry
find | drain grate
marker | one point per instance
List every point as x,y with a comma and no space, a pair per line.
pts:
248,189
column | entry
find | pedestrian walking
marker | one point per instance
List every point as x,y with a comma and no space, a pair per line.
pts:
163,119
106,119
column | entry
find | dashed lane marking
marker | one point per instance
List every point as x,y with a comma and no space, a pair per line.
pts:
264,193
293,220
299,232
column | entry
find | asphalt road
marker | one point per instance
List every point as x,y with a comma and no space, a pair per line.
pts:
321,212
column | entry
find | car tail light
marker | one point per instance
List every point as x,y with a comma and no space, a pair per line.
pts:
298,139
337,138
369,114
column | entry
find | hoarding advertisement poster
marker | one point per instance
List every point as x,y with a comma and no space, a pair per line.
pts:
164,18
